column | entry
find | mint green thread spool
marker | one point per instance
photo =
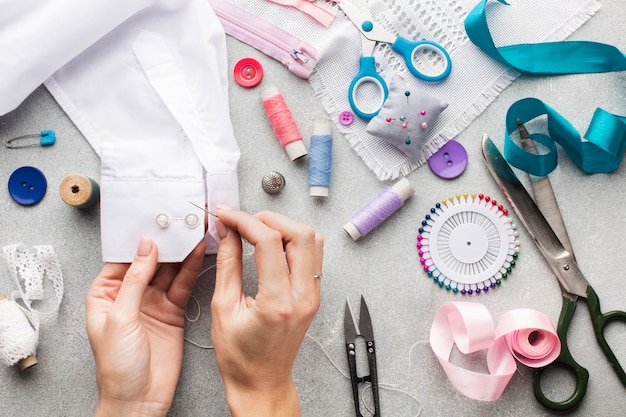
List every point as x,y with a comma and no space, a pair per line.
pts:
79,191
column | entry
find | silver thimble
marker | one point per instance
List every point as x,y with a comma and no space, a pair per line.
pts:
273,182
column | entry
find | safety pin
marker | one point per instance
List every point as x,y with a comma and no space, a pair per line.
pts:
48,138
203,209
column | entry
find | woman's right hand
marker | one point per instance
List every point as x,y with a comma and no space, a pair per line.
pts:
257,339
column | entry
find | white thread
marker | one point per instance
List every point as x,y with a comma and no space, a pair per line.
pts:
195,319
419,342
388,387
208,347
391,387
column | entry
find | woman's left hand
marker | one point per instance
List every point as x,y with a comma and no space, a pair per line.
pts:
135,323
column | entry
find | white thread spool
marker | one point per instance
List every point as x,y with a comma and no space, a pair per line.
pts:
18,340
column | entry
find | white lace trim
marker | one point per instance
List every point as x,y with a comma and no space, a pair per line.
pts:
19,321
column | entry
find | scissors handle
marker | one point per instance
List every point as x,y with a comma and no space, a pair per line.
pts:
367,74
599,321
409,50
371,359
372,378
564,361
351,351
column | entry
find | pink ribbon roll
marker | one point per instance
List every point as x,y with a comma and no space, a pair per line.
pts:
523,334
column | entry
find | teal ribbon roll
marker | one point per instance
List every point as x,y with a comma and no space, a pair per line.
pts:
605,140
567,57
601,151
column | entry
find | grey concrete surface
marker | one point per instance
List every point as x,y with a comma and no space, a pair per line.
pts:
383,266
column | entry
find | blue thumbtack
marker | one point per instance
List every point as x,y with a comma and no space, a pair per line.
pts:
47,138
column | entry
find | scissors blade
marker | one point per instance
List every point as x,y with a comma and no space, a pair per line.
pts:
365,322
360,17
350,328
544,194
560,260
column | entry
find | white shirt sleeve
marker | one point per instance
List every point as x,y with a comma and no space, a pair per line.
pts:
37,38
151,97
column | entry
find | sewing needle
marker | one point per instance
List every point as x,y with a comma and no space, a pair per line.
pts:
203,209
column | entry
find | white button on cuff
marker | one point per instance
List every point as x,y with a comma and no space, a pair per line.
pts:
162,220
192,220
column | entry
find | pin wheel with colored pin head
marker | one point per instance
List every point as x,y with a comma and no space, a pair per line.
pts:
406,117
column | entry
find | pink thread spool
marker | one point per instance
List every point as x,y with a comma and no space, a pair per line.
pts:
283,123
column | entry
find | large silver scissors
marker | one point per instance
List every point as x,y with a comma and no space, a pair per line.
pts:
371,33
545,225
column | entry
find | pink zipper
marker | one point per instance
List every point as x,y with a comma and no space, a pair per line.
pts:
310,7
294,53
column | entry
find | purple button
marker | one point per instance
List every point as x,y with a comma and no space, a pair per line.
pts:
346,117
27,185
449,161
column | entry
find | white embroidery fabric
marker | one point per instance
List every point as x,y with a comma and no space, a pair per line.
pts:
475,81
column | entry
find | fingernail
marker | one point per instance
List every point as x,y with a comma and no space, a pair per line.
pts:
221,229
145,245
223,207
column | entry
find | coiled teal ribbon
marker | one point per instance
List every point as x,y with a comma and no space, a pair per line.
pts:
606,136
601,152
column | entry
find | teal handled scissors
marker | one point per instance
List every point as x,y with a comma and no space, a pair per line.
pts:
544,223
371,33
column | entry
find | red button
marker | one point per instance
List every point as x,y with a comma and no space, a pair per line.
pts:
248,72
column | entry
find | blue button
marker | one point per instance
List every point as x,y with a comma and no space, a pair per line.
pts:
27,185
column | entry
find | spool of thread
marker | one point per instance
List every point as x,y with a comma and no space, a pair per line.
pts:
18,340
283,123
320,158
379,209
79,191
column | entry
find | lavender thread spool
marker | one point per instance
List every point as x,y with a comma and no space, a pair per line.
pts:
379,209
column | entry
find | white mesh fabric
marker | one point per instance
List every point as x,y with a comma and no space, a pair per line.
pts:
476,80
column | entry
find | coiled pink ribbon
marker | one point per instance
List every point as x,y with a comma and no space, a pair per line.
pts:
523,334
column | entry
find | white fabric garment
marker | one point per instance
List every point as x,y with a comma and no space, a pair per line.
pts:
146,83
